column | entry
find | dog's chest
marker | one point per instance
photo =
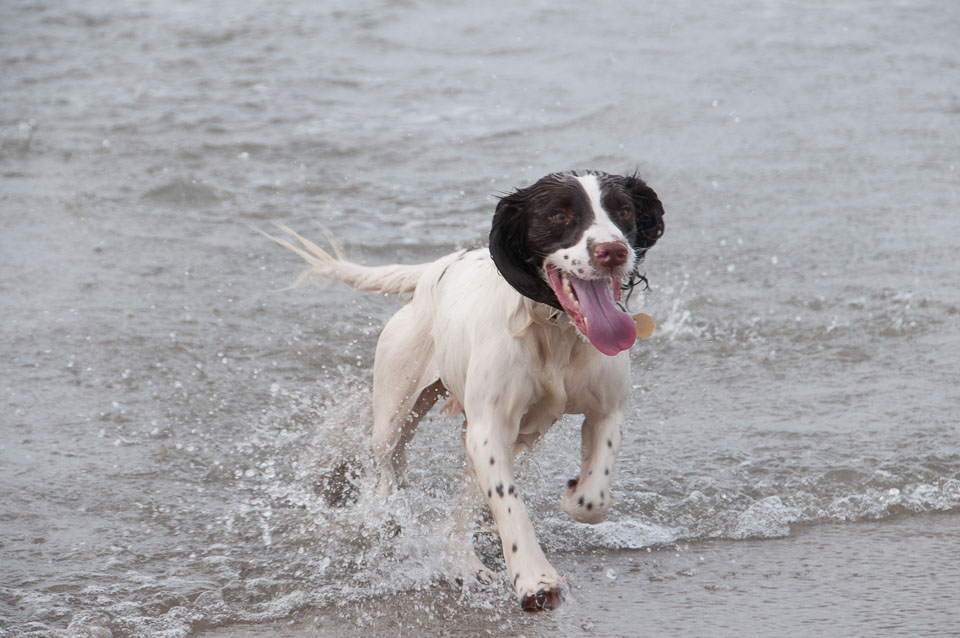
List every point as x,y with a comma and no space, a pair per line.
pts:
554,397
543,413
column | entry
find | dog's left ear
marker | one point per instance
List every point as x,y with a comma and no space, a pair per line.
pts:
648,212
508,247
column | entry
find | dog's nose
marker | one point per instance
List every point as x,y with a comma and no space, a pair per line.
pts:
610,254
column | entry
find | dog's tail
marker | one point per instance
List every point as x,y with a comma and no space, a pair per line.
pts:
393,279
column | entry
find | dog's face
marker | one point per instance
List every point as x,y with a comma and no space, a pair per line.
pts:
571,240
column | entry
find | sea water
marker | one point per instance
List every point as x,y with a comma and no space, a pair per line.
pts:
184,446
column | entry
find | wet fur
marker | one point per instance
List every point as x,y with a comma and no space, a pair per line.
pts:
482,326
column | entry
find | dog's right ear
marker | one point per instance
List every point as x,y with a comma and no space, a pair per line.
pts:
508,247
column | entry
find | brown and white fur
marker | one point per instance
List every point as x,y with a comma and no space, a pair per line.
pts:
517,336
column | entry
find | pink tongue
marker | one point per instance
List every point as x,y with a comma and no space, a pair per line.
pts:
609,329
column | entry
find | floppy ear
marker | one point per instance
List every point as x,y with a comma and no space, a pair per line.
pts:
508,247
648,212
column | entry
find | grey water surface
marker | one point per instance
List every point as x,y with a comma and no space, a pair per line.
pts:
183,444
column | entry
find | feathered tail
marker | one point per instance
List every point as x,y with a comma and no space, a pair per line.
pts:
393,279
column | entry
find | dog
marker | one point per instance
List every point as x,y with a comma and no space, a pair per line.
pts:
516,336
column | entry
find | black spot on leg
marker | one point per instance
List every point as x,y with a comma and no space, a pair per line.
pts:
511,490
509,511
606,471
609,442
492,460
500,489
489,493
601,495
515,578
580,502
514,548
572,483
590,505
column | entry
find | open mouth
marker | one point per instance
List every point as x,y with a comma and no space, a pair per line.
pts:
592,305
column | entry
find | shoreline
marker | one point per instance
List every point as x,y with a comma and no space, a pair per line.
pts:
896,576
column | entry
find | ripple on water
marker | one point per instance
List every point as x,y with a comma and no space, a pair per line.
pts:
183,192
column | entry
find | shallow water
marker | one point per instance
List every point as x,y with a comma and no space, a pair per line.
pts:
174,432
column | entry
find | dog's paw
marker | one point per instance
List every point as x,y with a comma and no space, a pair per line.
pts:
544,599
481,574
466,569
484,576
586,501
540,594
480,578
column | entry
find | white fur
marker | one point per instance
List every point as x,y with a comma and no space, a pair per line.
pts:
514,366
576,260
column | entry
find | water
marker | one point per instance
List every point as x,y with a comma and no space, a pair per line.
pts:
175,435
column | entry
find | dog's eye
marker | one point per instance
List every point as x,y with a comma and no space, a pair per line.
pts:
625,213
560,217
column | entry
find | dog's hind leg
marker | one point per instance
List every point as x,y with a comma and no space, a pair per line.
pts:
405,387
463,524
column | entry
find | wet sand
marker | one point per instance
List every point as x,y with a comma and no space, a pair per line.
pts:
895,578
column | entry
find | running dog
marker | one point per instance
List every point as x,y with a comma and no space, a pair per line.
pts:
516,335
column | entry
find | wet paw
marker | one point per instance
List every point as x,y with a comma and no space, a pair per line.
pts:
471,572
546,599
586,502
484,576
481,578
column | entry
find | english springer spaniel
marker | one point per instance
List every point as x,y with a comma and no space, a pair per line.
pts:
516,336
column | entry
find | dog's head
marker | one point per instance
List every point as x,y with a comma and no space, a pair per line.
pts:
572,240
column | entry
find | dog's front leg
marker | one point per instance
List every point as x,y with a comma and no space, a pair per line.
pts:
587,497
537,583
